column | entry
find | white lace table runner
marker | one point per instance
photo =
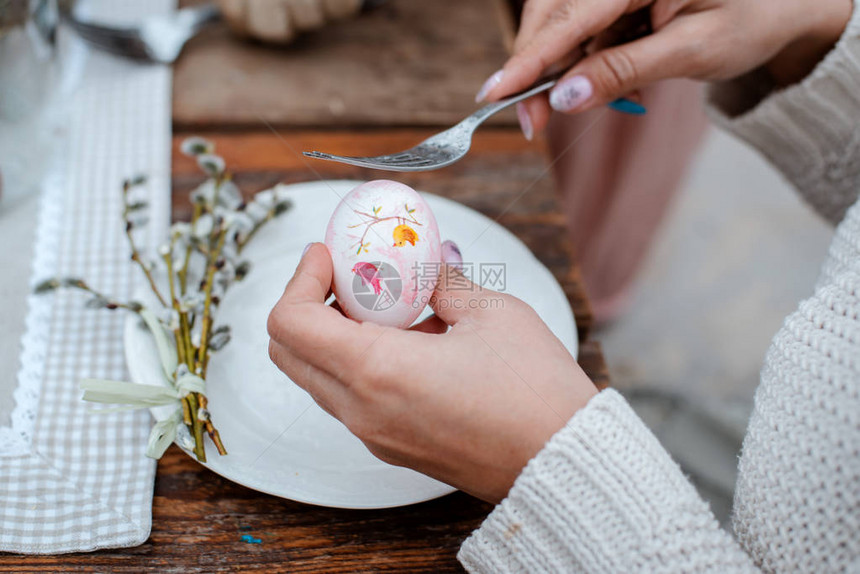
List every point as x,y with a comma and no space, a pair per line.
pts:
71,480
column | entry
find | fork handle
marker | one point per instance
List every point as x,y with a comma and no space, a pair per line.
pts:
542,85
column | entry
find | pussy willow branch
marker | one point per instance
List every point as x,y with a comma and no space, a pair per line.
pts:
194,405
179,334
270,215
109,303
203,350
195,358
206,326
183,273
196,428
135,254
183,341
210,428
184,323
240,245
186,413
168,261
197,401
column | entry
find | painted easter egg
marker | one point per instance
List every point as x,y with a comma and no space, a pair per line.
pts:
386,253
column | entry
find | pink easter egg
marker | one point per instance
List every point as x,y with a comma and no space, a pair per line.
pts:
386,253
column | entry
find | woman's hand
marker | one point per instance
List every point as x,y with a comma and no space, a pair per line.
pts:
279,21
469,407
699,39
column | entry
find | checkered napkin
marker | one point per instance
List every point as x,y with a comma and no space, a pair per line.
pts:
71,480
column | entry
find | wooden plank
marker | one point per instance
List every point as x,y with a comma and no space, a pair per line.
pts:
405,63
593,363
504,177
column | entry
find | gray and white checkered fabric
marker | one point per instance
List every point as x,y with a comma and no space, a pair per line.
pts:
79,481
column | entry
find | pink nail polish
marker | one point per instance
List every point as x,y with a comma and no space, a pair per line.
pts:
451,254
525,121
491,83
570,94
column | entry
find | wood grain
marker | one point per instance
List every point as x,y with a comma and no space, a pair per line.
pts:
405,63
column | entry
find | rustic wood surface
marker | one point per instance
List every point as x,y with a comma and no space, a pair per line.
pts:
441,51
405,63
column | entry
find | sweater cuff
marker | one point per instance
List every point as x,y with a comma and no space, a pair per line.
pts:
602,496
809,131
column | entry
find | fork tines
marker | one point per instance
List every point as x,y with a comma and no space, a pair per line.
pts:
396,162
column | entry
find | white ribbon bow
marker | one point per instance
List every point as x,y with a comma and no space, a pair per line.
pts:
136,396
140,396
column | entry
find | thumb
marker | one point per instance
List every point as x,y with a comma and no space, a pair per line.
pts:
312,280
611,73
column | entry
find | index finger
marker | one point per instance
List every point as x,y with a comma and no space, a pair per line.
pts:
567,27
532,19
310,329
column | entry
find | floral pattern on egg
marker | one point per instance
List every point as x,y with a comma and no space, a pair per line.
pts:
385,248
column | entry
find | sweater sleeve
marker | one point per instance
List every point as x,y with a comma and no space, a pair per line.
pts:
809,131
602,496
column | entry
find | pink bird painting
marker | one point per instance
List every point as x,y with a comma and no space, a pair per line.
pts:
369,275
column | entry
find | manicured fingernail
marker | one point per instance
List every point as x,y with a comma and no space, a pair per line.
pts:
571,93
491,83
451,254
305,250
525,121
626,106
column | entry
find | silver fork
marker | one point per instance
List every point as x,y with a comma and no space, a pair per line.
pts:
155,39
443,148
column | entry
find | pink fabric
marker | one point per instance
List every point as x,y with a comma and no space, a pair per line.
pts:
617,181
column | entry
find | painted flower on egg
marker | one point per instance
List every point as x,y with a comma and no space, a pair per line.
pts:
386,253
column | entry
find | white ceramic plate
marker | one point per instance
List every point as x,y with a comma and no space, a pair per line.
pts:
278,440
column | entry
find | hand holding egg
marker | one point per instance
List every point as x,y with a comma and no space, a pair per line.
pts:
386,253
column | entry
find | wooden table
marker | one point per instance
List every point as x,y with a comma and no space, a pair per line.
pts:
334,92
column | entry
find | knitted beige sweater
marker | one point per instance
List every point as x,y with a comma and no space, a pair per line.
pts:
604,496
